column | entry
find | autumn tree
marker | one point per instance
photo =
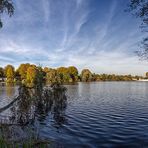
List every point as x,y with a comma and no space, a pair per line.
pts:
51,76
9,73
39,76
22,70
96,77
73,73
31,76
86,75
45,69
7,7
103,77
63,74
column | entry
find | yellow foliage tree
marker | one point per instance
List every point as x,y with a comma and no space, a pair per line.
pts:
73,73
22,70
31,76
9,73
86,75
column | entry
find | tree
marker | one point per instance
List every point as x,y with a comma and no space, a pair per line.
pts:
73,73
139,8
9,73
22,70
46,69
51,76
1,72
31,76
39,76
96,77
86,75
103,77
63,74
146,74
7,7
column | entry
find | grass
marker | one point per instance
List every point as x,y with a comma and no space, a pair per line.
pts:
28,144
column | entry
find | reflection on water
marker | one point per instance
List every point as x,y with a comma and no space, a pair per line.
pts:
10,91
32,106
104,114
7,93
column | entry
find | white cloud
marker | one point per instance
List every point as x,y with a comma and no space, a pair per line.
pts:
109,62
56,33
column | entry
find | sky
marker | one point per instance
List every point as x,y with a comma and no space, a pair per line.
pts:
94,34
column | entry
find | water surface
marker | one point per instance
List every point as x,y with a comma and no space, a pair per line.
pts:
99,114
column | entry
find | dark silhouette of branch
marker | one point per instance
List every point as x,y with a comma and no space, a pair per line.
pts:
6,6
139,8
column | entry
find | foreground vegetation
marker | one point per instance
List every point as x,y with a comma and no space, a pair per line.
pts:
29,75
28,144
32,105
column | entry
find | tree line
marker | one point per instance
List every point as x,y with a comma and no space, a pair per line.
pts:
30,74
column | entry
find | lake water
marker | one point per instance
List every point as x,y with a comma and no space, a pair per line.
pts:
99,114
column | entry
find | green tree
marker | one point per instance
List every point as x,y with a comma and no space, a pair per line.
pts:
7,7
86,75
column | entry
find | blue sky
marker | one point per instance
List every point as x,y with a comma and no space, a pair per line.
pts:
94,34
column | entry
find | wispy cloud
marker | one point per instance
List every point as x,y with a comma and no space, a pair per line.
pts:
84,33
46,9
72,29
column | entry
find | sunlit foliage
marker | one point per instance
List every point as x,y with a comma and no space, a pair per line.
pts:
73,73
51,76
31,76
86,75
113,77
35,76
9,73
22,70
63,74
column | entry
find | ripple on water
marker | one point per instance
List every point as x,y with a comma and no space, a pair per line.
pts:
105,114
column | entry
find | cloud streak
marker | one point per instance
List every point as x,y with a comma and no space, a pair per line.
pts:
85,33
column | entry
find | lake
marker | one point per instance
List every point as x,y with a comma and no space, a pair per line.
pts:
98,114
